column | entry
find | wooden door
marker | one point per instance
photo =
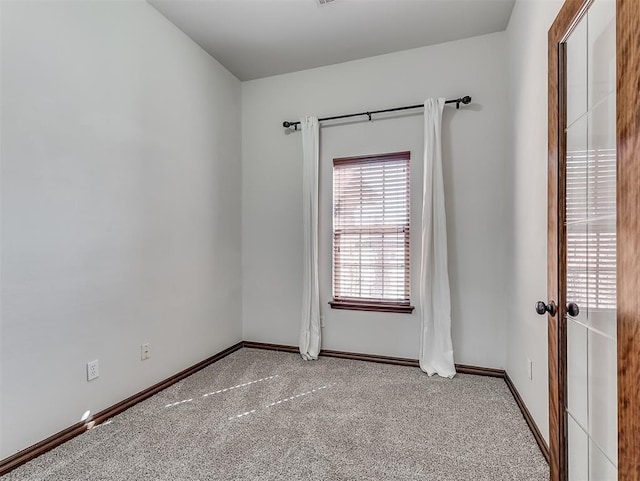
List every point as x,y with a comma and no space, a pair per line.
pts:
594,241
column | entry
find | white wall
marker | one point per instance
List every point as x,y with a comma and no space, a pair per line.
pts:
120,197
120,208
475,153
527,332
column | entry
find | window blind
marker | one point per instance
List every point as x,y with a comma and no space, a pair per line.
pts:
591,228
371,228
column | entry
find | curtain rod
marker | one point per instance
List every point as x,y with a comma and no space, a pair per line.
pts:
462,100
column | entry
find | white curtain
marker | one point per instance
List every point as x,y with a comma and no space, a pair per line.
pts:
310,326
436,349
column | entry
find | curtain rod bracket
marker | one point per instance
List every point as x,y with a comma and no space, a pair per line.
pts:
369,115
286,124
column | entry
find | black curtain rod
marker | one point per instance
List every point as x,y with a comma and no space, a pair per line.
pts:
462,100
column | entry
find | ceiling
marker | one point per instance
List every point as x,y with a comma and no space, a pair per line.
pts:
260,38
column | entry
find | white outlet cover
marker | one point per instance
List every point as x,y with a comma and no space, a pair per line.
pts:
93,370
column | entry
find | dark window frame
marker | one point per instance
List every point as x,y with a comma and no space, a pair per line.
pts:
364,303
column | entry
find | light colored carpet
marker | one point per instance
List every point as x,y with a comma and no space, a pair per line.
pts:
262,415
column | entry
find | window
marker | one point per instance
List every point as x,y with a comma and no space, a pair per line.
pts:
371,233
591,228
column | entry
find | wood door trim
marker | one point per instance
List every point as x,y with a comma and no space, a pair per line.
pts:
570,14
628,235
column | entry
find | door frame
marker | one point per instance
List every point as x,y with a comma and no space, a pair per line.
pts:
628,235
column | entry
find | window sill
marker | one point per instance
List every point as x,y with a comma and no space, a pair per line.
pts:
372,306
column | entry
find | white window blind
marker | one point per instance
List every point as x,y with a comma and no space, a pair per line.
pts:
371,229
591,228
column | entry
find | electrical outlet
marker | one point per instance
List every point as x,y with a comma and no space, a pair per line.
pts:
92,370
530,369
321,321
144,351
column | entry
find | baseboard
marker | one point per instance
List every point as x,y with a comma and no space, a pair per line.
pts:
357,356
461,368
270,347
340,354
480,371
398,361
57,439
542,444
